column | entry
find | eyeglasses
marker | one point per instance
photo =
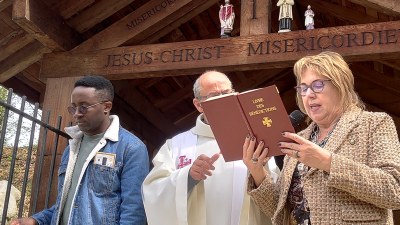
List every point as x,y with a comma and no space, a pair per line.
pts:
82,109
217,93
316,86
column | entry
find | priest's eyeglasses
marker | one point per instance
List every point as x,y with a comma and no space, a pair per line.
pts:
217,93
316,86
82,109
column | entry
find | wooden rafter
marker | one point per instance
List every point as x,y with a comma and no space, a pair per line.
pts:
142,23
15,46
142,105
96,13
387,6
21,60
379,79
44,25
164,30
5,4
68,8
137,123
339,11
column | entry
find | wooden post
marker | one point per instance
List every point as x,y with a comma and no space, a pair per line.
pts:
57,98
255,17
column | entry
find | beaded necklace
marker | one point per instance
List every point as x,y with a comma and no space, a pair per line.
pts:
315,135
303,169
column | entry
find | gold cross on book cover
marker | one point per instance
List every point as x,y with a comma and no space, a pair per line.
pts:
259,112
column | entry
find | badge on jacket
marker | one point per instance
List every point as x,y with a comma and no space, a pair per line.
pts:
104,159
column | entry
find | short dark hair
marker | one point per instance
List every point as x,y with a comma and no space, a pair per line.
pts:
103,86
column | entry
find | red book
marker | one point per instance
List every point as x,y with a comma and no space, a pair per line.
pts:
259,112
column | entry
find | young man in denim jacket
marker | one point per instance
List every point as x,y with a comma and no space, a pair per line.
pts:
102,169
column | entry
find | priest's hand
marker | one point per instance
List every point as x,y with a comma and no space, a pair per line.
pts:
202,166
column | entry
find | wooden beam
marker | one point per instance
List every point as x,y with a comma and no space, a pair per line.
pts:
15,46
68,8
96,13
21,59
255,17
5,4
174,99
142,23
140,104
339,11
133,121
377,78
391,7
194,13
395,64
378,41
44,25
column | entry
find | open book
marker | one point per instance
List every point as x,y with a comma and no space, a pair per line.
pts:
259,112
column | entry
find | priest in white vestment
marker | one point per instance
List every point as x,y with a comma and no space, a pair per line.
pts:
191,184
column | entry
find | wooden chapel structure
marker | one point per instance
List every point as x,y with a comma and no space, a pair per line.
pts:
154,50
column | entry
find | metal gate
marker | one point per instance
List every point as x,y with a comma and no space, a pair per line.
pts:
29,182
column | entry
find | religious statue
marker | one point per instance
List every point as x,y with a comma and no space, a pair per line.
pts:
285,15
309,21
226,17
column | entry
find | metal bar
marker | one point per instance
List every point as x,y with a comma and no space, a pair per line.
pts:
4,126
28,162
12,108
14,156
39,166
53,159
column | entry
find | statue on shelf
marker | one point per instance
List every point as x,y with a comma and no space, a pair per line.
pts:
309,21
226,17
285,15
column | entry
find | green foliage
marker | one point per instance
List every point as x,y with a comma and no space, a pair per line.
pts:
3,97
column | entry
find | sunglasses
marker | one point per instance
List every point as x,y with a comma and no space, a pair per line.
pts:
82,109
316,86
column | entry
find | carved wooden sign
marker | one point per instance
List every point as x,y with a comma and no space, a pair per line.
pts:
355,43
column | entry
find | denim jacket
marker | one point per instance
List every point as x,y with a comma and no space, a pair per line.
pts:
104,195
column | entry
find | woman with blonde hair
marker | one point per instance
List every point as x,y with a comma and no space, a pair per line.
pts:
344,168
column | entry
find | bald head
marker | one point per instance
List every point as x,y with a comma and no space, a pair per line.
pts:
211,81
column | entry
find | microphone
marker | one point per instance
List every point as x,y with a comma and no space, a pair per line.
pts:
297,117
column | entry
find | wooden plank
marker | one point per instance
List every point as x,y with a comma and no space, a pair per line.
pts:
255,17
174,24
395,64
46,26
391,7
96,13
5,4
140,104
21,59
377,41
377,78
142,23
139,125
57,98
68,8
339,11
11,48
